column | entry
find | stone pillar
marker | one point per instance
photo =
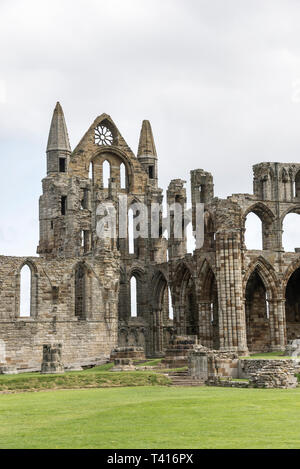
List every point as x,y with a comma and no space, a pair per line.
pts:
232,324
277,324
52,359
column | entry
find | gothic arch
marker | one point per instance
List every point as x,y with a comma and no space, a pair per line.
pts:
267,274
159,283
289,272
208,307
267,218
141,293
137,271
185,298
33,288
259,312
292,209
181,271
101,155
205,274
289,227
262,211
291,294
82,281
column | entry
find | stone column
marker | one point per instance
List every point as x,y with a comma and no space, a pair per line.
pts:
277,324
232,324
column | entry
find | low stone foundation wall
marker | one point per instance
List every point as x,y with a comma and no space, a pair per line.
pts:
124,357
207,364
212,366
248,367
274,375
227,383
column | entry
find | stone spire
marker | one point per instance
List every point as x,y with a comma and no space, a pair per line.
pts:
147,155
146,144
58,136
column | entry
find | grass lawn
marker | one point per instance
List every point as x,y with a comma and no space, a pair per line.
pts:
267,356
151,417
98,377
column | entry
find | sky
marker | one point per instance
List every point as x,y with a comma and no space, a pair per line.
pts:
219,81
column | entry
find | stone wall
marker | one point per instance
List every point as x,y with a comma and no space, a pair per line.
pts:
248,367
206,365
228,297
85,339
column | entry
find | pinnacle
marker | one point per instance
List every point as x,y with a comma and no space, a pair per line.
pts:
146,144
58,136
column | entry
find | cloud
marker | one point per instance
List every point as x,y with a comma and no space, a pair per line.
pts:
217,80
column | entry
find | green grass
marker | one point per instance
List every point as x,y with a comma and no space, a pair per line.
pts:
95,369
267,356
153,362
151,417
92,378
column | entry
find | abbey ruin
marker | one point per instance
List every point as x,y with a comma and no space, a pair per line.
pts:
230,298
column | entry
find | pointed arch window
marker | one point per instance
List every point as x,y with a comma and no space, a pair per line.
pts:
171,312
91,171
253,232
27,284
190,238
82,286
105,174
123,176
133,297
25,292
290,232
130,231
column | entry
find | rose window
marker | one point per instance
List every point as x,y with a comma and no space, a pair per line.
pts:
103,135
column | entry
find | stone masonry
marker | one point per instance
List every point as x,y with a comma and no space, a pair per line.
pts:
228,297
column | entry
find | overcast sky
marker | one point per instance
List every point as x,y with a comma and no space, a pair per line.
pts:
219,81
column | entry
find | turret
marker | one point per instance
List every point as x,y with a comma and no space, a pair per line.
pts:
58,148
147,155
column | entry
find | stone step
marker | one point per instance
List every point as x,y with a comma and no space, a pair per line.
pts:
182,378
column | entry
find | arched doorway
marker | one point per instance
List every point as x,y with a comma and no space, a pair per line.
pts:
162,311
191,310
209,307
257,314
292,306
184,289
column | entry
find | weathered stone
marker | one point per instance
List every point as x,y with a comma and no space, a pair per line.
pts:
178,351
125,357
228,297
273,375
51,363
